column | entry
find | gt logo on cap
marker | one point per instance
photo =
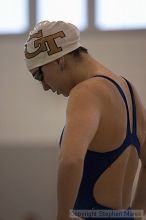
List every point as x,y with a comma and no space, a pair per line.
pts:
43,43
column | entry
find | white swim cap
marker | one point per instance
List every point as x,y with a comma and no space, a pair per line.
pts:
49,41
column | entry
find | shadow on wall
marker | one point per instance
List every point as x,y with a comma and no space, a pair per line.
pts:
31,216
28,179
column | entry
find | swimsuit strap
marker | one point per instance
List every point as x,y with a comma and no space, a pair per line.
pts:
124,98
134,126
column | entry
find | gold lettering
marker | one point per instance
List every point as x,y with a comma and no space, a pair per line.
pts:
39,34
43,43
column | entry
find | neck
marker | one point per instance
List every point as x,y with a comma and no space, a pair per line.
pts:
87,68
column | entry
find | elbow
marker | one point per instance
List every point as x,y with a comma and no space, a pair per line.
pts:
71,161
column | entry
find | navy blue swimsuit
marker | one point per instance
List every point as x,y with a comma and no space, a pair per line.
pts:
96,163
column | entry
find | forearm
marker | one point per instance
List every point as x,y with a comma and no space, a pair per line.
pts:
139,201
69,178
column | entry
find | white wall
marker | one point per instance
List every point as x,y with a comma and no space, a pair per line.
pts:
31,120
28,182
28,114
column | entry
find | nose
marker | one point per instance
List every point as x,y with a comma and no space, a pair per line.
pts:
45,86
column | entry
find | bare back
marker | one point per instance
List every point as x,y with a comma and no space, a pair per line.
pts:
114,187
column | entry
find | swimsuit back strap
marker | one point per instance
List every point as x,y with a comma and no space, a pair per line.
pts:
123,96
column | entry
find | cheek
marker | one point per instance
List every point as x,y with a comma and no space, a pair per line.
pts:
53,81
45,86
48,78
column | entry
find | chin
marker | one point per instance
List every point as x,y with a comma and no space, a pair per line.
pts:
65,94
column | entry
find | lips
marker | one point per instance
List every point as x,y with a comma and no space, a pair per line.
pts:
58,93
53,90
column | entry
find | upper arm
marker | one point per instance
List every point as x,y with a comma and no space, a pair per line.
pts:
82,121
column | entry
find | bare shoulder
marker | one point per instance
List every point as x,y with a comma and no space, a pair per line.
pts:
85,95
82,121
91,87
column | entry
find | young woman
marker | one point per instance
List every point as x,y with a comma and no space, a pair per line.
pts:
105,131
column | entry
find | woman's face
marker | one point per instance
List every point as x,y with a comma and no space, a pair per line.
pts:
55,79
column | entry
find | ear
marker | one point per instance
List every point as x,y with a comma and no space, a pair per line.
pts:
60,62
57,61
